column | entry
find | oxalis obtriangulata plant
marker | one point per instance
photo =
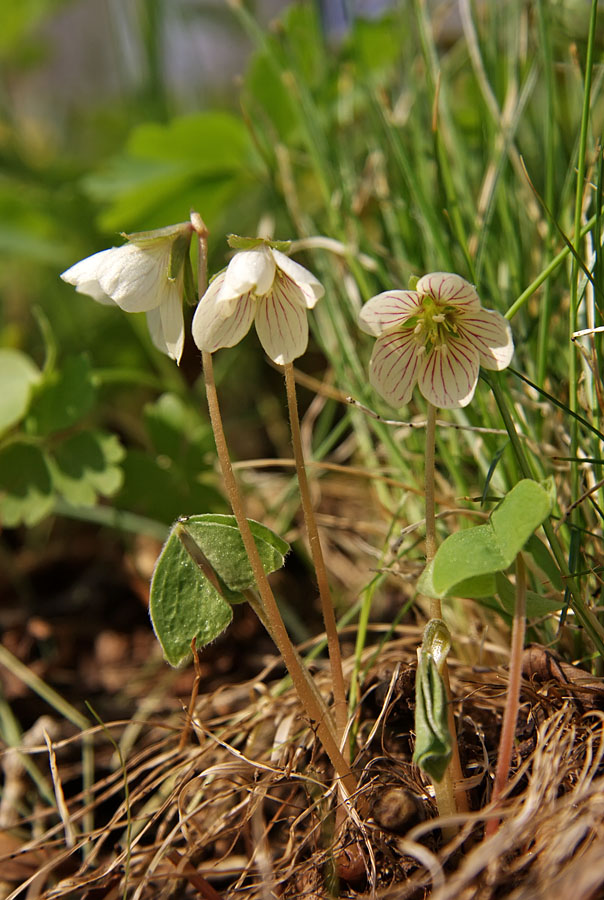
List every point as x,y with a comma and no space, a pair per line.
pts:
435,336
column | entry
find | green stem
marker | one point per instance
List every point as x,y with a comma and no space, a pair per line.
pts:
449,799
429,489
510,716
329,619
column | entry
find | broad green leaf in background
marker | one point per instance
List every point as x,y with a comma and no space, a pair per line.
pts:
536,606
86,465
178,431
184,604
491,548
26,488
198,160
18,374
63,397
181,468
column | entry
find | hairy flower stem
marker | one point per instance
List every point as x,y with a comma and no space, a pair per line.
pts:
301,679
449,799
329,619
309,696
435,611
510,716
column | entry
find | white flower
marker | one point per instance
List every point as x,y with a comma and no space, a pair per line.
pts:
261,285
145,275
436,336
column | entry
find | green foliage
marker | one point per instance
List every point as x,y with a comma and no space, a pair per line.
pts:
179,464
62,397
199,160
18,375
86,465
466,562
26,485
51,455
200,572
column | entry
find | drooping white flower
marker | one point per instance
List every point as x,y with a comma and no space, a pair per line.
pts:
264,286
144,275
436,336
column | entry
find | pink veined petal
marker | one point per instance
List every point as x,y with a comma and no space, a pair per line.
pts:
211,330
449,374
311,289
395,365
249,270
388,310
282,325
136,279
449,288
490,333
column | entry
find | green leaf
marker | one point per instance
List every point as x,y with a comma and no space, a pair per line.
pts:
26,489
62,398
536,606
173,490
220,541
183,604
491,548
17,376
199,159
521,511
545,561
86,465
176,430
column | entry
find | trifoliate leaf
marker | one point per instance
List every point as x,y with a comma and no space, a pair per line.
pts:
62,398
26,488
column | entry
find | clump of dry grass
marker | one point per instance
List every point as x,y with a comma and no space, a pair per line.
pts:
246,806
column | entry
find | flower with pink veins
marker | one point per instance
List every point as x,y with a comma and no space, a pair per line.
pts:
264,286
436,336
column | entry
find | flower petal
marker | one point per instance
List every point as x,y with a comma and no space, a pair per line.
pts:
388,310
312,289
84,276
282,325
394,366
211,329
449,288
249,270
166,324
136,279
490,333
449,374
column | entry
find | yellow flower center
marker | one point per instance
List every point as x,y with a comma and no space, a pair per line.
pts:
434,325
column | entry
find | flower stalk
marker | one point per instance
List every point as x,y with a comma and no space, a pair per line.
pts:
309,696
510,716
329,619
449,798
299,675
